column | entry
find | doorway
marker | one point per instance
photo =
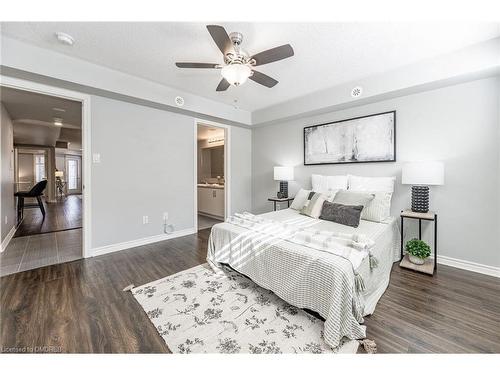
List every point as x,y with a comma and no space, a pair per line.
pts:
212,182
48,149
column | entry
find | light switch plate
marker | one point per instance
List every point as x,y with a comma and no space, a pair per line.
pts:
96,158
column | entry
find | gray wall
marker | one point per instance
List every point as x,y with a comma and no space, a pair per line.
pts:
7,152
147,169
458,124
241,169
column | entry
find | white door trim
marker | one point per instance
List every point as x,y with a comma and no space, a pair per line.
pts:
227,167
21,84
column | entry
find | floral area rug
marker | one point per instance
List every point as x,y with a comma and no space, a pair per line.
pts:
197,311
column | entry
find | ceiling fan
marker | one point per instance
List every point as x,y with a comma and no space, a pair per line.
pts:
238,65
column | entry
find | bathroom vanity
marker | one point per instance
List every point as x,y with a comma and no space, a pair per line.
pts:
211,200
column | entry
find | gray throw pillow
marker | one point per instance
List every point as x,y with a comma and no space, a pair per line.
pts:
353,198
342,214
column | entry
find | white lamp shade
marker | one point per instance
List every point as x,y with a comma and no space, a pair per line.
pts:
423,173
283,173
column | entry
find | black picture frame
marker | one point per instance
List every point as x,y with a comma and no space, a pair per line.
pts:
350,119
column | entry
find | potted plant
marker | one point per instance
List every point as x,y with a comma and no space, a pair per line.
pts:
418,250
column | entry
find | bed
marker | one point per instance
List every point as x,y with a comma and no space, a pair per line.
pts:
309,278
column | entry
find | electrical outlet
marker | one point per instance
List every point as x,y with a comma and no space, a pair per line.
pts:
145,219
6,219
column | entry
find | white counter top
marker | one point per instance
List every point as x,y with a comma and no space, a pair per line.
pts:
211,186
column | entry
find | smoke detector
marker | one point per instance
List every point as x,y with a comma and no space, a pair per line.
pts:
64,38
356,92
179,101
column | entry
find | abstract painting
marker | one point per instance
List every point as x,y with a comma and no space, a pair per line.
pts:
358,140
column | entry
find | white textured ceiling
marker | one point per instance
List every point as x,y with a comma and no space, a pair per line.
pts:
326,54
33,116
25,105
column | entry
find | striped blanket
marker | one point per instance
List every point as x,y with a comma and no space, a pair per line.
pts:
354,247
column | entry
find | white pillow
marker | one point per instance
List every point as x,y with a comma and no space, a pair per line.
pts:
379,209
357,183
325,184
300,199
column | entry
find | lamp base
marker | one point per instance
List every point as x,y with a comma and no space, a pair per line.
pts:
420,199
283,193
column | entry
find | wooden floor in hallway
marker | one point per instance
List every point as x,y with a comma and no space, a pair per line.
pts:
64,214
79,307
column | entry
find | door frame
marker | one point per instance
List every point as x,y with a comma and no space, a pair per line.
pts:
21,84
227,167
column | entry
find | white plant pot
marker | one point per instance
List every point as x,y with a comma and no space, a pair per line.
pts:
416,260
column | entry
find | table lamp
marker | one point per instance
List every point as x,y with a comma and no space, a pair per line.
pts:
283,175
422,174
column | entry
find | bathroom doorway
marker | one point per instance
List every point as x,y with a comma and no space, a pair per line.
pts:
211,176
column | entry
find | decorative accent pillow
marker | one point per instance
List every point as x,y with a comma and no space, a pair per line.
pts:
379,209
357,183
342,214
313,205
324,184
353,198
300,199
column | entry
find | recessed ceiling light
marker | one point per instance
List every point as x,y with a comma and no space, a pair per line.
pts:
65,38
58,121
59,109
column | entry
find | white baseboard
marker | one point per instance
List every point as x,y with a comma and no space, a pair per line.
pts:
469,266
142,241
7,238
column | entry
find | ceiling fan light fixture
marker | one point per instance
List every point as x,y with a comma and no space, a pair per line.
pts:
236,74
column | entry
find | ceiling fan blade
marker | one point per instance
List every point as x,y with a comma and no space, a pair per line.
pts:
263,79
220,37
197,65
223,85
273,54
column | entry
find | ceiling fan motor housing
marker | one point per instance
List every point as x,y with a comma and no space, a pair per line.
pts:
237,55
236,38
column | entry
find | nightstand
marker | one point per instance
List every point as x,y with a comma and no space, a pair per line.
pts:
279,200
429,267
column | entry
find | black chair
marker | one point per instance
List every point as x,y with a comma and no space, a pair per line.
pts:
35,192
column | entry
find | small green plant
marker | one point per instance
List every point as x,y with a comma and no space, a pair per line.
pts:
418,248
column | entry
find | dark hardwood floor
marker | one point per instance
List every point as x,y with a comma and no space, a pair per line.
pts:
80,306
64,214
